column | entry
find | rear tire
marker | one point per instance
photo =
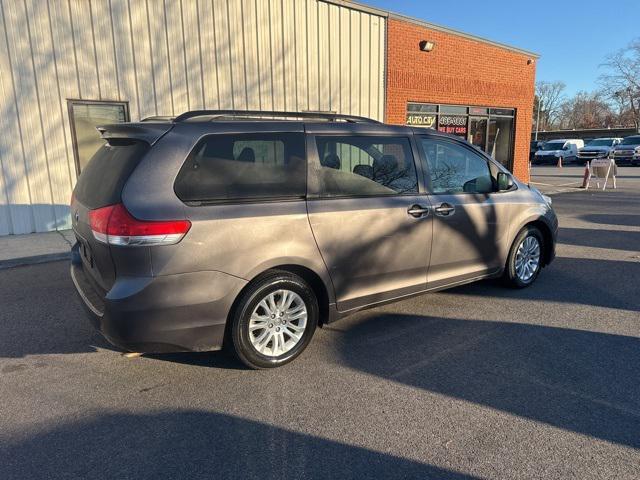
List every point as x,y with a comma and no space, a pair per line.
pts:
525,258
274,320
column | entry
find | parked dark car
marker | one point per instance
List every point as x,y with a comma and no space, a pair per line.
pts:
240,229
627,152
534,146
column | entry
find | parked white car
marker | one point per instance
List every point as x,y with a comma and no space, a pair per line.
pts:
553,150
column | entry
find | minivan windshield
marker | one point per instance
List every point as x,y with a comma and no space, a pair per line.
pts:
631,141
553,146
600,142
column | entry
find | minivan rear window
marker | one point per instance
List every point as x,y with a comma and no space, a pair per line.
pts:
244,167
102,180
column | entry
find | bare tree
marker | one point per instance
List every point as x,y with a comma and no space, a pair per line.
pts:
549,99
621,81
587,110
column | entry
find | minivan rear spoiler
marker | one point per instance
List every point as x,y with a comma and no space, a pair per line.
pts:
146,132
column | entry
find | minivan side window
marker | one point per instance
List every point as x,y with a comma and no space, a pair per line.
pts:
244,167
365,165
454,168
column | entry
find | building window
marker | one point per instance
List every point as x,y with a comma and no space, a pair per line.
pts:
489,129
85,116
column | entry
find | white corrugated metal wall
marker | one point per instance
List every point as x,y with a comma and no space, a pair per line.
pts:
165,57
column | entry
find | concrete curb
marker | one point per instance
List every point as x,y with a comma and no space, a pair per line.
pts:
34,260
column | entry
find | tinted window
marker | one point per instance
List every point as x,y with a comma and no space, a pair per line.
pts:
631,141
553,146
102,180
244,167
453,168
601,142
366,166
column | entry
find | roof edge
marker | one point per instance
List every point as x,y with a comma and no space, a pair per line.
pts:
416,21
358,6
433,26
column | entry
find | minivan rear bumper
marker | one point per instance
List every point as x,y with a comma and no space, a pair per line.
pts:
171,313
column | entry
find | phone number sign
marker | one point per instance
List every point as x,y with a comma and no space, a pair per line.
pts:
453,124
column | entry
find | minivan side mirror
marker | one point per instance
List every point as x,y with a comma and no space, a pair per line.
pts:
505,181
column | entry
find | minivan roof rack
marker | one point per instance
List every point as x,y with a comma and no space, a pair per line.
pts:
158,118
329,116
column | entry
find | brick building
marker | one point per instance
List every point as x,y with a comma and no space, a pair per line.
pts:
66,67
471,87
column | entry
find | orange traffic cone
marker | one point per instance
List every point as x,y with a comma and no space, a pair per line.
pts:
586,177
559,162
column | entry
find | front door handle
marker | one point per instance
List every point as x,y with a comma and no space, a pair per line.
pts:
445,210
417,211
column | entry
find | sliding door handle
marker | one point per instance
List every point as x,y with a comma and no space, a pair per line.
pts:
445,210
417,211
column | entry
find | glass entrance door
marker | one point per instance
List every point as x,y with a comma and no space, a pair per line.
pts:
478,132
499,144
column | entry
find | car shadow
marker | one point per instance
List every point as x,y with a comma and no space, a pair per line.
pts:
196,444
579,281
217,359
580,381
41,314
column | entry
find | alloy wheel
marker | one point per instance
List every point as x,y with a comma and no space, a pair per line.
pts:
528,258
278,323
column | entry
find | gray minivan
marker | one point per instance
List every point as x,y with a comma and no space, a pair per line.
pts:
249,229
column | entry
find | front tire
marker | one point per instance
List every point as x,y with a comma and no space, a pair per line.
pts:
525,258
274,320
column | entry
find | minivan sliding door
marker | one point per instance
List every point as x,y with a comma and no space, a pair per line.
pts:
371,223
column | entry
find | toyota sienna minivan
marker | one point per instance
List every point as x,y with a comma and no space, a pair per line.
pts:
249,229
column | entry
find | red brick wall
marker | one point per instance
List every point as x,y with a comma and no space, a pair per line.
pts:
459,71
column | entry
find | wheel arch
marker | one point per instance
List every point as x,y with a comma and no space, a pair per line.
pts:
547,236
315,281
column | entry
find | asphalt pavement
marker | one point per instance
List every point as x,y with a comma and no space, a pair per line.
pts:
475,382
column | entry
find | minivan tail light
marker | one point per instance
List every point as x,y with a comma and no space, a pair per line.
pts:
114,225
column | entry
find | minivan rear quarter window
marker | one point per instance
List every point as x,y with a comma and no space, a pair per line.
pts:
102,180
244,167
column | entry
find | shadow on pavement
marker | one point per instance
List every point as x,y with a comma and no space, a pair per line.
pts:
41,314
194,444
580,381
616,239
629,220
579,281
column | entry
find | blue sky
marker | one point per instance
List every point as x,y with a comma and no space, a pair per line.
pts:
572,36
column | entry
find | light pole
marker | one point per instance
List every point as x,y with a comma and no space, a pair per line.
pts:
538,120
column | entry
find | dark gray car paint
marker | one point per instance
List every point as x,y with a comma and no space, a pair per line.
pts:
179,297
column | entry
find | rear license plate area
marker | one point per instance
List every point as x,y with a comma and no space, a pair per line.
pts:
85,251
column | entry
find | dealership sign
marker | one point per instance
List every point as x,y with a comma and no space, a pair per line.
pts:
421,120
453,124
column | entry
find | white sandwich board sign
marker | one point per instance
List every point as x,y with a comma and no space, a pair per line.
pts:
602,169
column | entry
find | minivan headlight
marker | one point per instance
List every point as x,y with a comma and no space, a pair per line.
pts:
547,199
